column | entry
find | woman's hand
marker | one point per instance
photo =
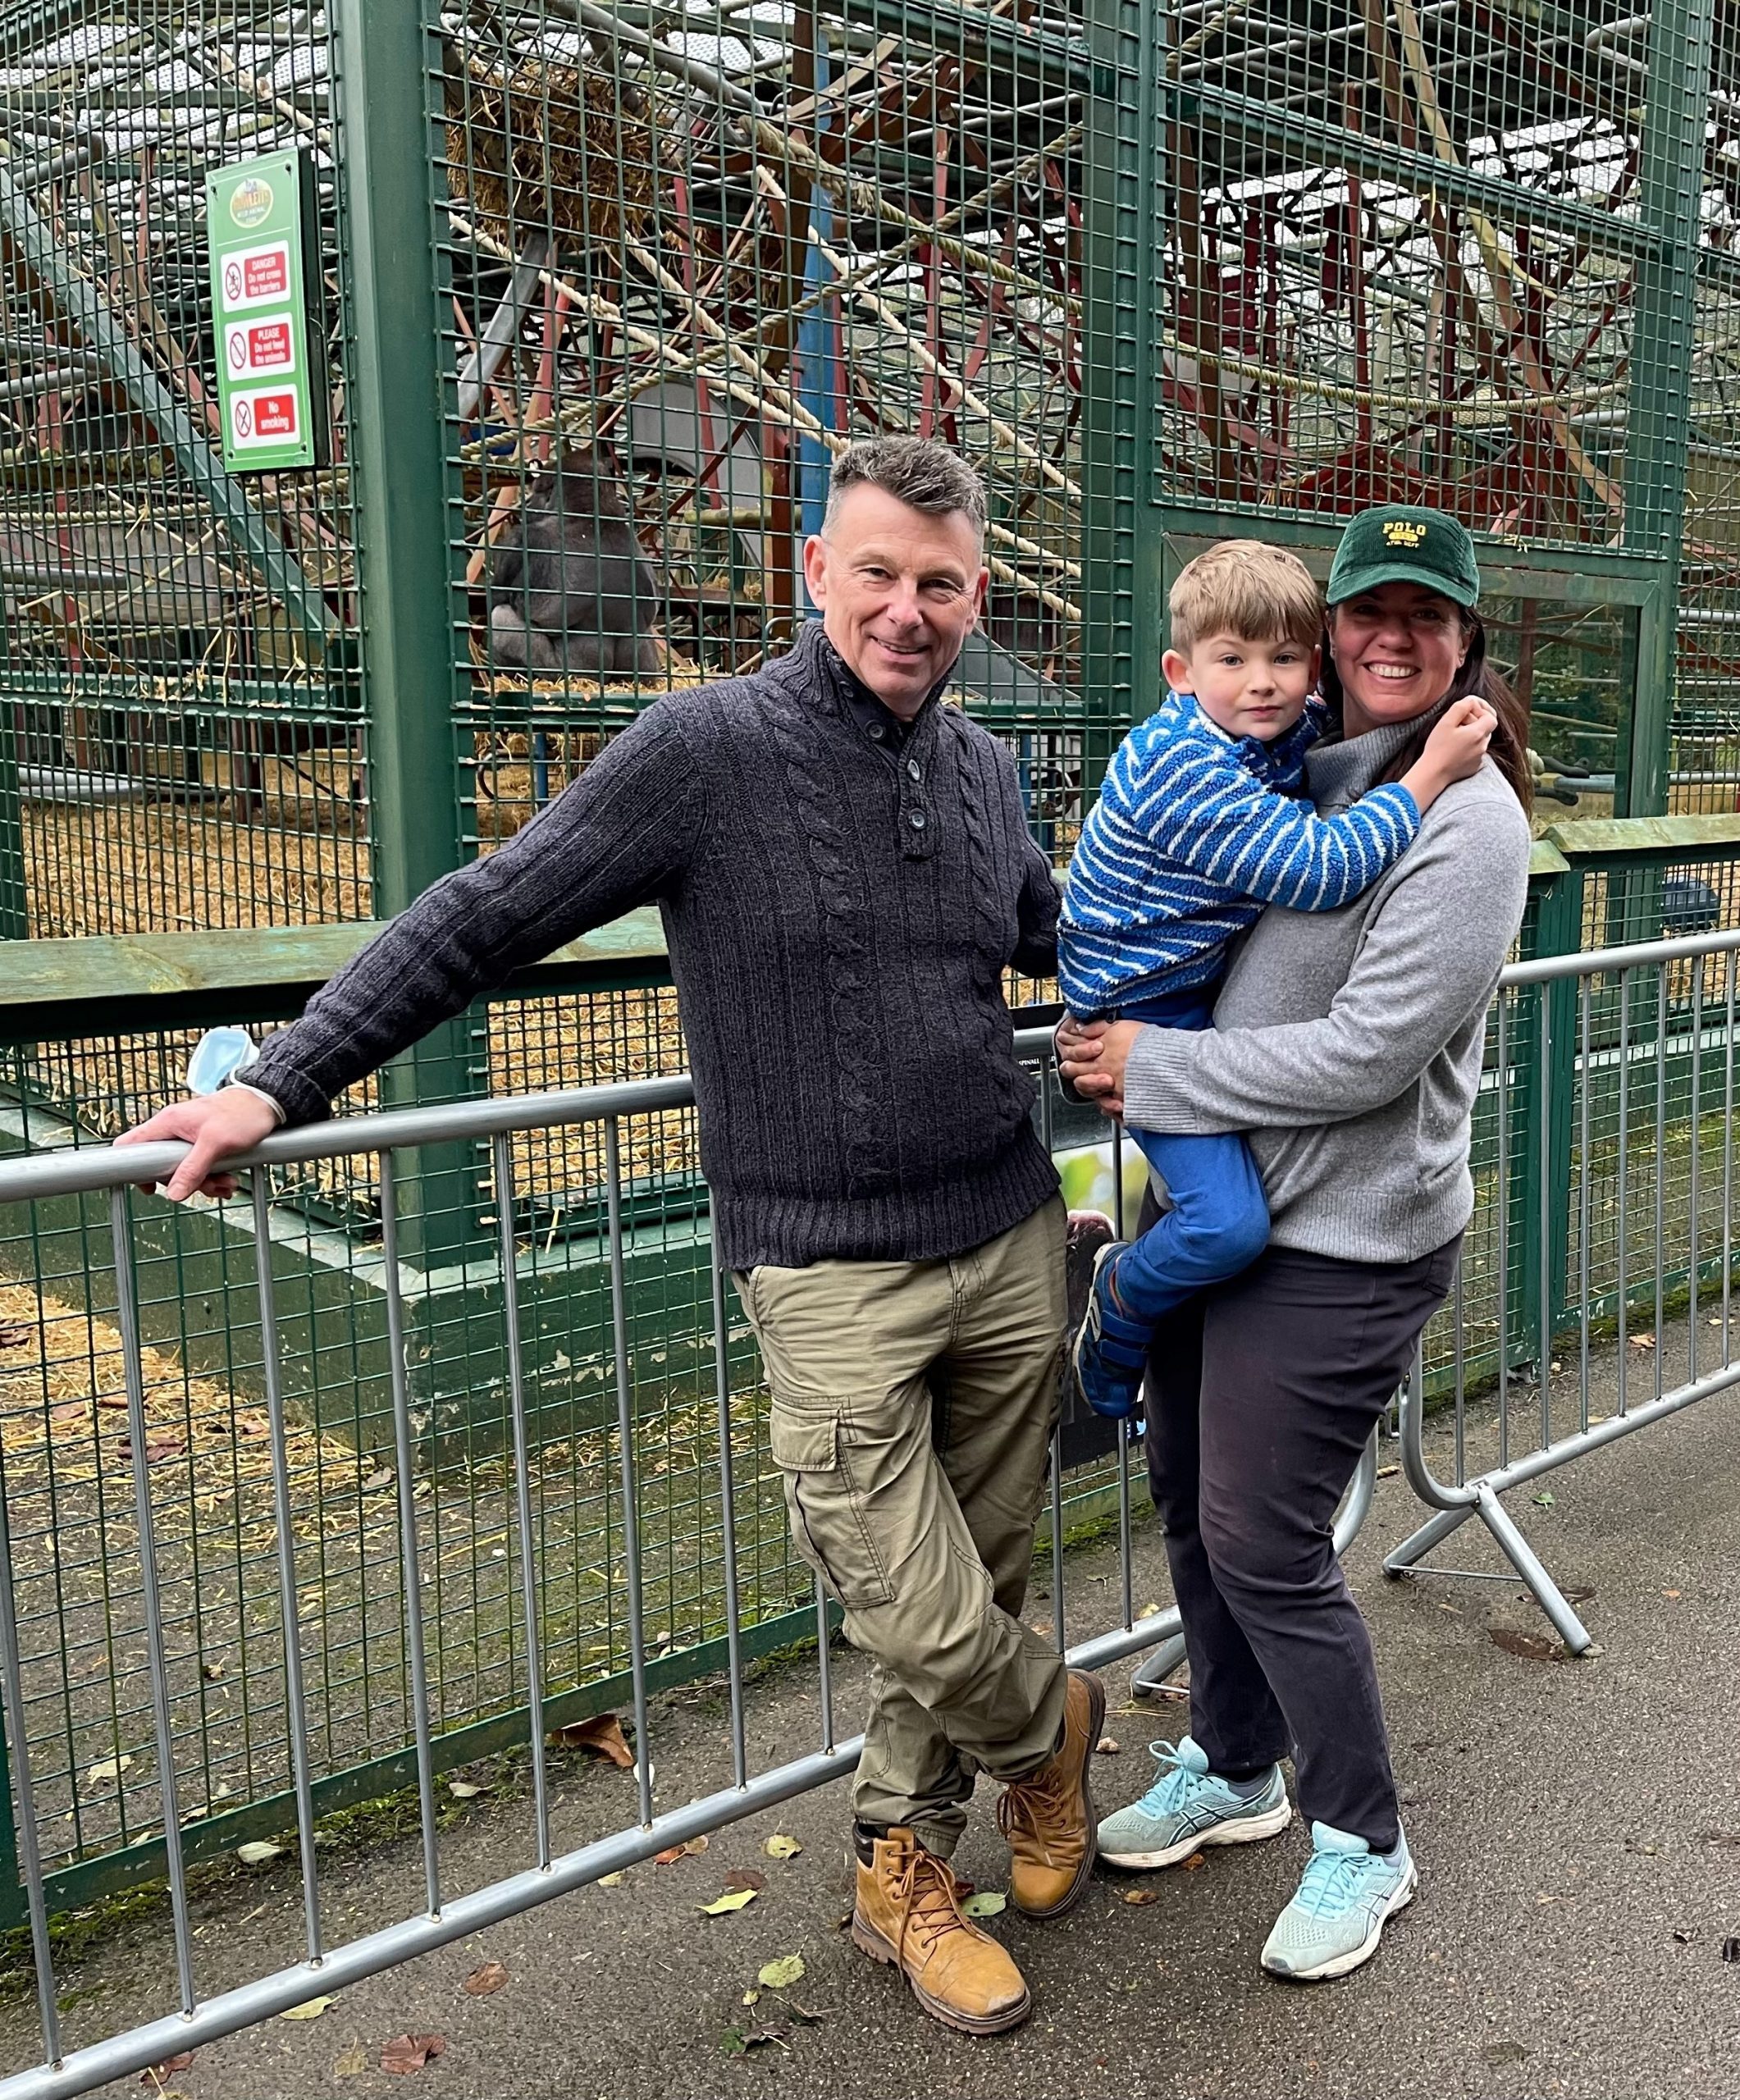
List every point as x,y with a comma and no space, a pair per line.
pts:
1092,1056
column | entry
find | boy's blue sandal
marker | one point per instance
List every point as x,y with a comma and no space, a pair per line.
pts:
1346,1897
1111,1349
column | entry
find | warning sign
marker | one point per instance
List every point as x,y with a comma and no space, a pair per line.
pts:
258,276
260,216
269,415
258,348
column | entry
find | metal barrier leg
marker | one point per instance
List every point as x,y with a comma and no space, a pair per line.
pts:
1402,1559
1522,1557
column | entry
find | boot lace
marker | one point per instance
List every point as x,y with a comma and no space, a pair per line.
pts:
1032,1808
924,1890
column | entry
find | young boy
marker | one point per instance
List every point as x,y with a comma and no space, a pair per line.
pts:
1197,827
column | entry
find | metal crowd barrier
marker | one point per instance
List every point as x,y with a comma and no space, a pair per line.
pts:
1624,1156
1607,1024
446,1915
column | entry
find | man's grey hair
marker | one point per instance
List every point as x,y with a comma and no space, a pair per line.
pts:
918,471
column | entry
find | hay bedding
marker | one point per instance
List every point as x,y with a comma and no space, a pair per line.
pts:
67,1459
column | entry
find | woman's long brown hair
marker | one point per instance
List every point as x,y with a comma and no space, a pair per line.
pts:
1509,746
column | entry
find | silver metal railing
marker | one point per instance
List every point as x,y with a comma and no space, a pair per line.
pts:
1627,1155
1645,1024
446,1915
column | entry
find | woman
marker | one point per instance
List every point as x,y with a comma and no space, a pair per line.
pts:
1349,1045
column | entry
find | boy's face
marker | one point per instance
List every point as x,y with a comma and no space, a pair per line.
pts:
1247,688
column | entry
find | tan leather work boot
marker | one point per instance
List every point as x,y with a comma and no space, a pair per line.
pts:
908,1914
1049,1820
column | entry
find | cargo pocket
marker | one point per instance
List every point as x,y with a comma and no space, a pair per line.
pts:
828,1509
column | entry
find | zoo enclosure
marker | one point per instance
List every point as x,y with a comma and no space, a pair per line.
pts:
1162,272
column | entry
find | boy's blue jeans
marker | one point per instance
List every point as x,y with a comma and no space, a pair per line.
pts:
1219,1221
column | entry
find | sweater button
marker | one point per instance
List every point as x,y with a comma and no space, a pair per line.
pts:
916,820
912,768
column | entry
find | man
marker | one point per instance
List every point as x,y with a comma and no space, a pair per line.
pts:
844,872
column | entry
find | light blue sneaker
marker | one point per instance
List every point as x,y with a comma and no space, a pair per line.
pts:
1346,1896
1186,1808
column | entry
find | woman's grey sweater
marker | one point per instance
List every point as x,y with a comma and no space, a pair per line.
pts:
1349,1043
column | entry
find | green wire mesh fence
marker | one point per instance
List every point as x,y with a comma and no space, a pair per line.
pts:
1161,273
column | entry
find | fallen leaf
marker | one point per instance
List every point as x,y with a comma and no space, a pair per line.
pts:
1504,2053
309,2009
802,2013
984,1903
408,2053
751,1997
737,2041
463,1790
258,1851
669,1857
781,1847
781,1975
1193,1863
613,1880
1545,1500
602,1735
1388,1473
1107,1746
1135,1896
1674,1594
750,1878
168,2068
111,1767
482,1982
733,1900
696,1845
1150,1611
351,2062
1532,1647
378,1481
1643,1341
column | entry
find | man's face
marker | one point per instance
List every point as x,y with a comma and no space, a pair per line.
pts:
899,591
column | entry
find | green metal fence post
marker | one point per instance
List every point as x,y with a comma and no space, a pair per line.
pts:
1659,407
1553,926
383,59
1120,540
14,921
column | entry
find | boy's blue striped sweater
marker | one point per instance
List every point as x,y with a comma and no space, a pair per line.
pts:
1193,833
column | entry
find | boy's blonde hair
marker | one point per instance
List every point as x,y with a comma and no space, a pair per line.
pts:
1259,593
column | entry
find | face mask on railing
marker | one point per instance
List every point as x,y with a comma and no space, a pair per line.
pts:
218,1055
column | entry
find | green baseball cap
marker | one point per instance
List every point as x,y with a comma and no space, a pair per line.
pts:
1405,543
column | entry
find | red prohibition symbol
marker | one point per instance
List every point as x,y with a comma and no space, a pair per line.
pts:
232,279
244,418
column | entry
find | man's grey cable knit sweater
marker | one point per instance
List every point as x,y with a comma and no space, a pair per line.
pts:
838,915
1349,1043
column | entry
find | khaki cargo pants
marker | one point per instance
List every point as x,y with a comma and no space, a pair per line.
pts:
913,1405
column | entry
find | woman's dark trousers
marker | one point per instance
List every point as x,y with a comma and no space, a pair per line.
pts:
1262,1394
